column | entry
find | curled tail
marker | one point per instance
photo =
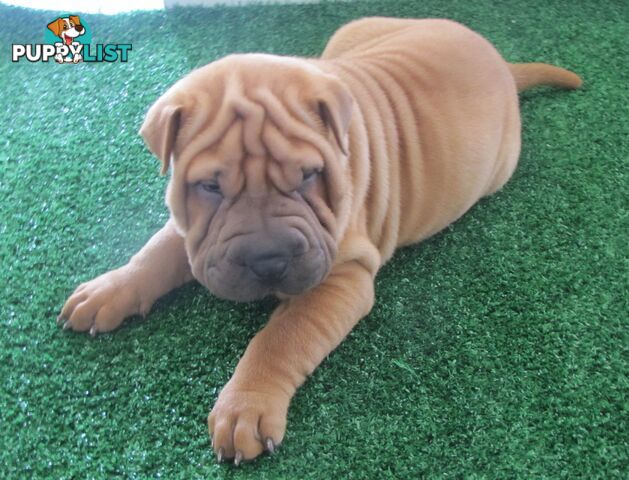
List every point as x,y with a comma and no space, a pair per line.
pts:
527,75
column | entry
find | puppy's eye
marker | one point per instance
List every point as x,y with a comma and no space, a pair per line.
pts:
210,186
310,174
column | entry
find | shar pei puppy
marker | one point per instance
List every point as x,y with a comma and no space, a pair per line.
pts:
299,178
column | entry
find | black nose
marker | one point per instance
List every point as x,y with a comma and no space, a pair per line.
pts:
269,268
79,28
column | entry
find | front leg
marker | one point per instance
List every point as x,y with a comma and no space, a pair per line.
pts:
250,413
77,57
58,57
101,304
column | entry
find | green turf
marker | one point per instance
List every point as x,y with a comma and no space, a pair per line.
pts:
496,349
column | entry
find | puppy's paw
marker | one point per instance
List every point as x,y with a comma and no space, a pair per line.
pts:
59,58
101,304
77,58
244,423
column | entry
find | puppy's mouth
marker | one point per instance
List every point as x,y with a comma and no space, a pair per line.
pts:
68,38
239,282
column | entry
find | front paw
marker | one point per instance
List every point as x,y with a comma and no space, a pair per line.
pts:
101,304
244,423
59,58
77,58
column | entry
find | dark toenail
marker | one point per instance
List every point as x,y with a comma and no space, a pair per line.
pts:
270,446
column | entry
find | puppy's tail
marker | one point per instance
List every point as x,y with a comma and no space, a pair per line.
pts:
527,75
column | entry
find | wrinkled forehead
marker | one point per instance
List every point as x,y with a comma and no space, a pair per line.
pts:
248,125
277,159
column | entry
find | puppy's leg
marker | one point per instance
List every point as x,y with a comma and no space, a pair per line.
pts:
58,56
250,413
101,304
76,57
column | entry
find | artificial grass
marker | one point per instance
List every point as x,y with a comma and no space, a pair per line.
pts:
496,349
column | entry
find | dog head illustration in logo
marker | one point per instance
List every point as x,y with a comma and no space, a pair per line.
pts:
67,29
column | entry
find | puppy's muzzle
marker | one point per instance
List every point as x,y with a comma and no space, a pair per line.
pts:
257,264
269,267
268,258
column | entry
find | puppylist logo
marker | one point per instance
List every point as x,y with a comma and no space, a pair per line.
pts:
67,39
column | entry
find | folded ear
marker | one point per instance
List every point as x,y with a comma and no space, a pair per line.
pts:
55,26
335,105
160,129
75,19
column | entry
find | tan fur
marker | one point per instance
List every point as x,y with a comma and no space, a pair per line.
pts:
412,120
527,75
56,26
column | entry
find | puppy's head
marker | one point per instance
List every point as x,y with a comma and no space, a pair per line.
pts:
67,28
259,189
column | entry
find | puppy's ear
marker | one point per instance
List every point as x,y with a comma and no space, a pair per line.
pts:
160,129
75,19
56,26
335,106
